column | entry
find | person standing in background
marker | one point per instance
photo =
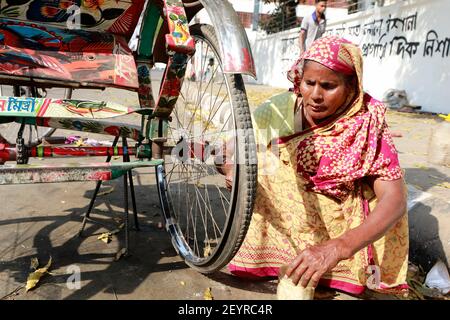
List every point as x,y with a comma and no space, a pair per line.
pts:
313,26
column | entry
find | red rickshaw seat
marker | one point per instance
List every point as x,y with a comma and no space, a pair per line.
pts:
32,53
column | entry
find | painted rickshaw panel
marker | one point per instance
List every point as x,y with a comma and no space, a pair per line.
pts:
76,115
36,51
113,16
61,108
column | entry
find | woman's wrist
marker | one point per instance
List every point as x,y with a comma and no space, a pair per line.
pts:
347,245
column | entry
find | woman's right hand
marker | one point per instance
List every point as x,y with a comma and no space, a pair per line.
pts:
224,163
312,263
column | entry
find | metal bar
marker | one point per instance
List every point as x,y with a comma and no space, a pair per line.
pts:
68,93
255,20
150,27
58,152
133,201
7,153
25,174
126,158
125,199
97,189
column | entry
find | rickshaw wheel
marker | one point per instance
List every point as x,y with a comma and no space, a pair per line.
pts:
207,215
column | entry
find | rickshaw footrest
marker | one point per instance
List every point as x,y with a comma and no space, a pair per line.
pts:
69,172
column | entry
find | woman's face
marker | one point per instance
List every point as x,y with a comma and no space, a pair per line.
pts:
323,90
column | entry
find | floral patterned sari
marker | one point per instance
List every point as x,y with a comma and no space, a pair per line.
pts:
312,185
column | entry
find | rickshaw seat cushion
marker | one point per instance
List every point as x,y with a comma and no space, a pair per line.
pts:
72,57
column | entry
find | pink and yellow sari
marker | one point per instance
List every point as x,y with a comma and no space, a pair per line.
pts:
312,184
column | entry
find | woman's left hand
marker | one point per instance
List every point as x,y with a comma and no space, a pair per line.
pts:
311,264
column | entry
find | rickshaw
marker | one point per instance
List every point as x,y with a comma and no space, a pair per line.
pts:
198,122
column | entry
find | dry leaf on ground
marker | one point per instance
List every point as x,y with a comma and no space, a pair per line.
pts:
207,295
106,237
417,187
445,117
435,177
421,166
34,277
207,250
444,185
34,263
397,134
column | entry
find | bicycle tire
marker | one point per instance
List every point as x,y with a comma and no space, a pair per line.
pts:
243,191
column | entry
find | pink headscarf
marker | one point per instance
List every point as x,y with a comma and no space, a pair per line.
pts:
336,53
353,145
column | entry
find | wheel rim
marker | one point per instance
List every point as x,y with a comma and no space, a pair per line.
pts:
200,203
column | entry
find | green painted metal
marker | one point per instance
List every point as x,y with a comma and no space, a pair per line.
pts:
157,128
151,25
152,129
144,152
40,150
164,130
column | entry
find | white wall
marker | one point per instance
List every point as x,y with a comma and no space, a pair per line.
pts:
273,55
249,5
301,10
331,13
395,56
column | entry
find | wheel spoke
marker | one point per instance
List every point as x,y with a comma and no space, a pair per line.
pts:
210,118
228,119
209,209
201,189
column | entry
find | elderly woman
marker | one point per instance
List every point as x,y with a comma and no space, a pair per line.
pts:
331,199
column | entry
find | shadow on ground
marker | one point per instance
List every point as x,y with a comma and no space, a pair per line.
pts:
426,245
57,236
